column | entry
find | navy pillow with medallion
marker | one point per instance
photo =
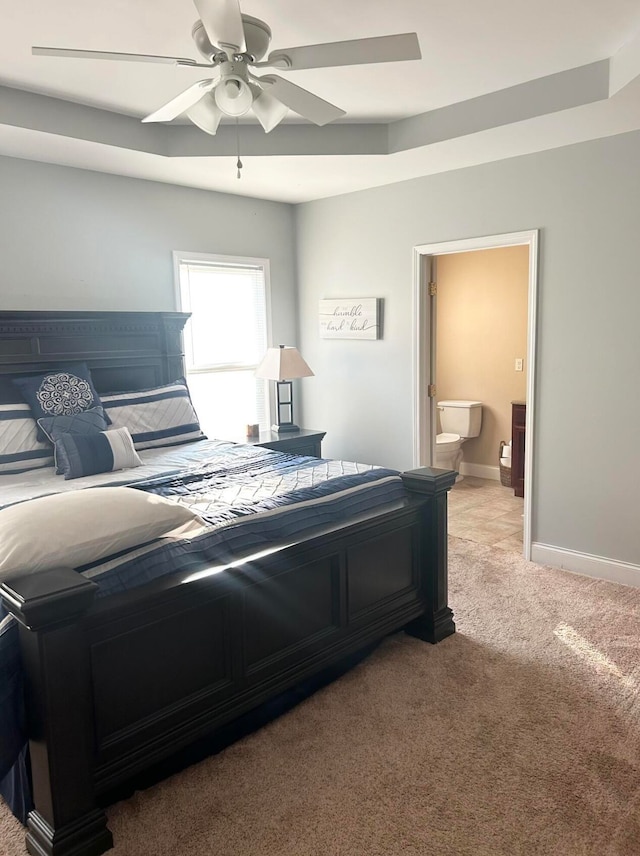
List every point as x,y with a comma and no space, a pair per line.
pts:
63,391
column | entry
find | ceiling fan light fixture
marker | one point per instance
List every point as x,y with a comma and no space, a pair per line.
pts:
233,96
206,114
268,110
231,43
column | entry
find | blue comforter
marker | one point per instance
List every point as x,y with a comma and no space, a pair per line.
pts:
251,498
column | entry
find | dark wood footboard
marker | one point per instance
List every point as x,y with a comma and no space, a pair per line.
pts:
115,685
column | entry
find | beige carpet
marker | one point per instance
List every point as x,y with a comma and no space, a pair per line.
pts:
518,735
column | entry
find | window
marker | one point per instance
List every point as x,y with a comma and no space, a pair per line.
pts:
225,339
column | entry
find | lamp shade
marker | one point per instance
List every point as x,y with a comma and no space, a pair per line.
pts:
233,96
268,110
206,114
283,363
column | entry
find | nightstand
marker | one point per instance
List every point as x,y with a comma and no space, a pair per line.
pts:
301,442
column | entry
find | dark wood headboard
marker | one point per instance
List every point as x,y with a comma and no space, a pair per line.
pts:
124,350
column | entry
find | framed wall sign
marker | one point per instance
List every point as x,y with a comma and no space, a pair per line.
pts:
350,318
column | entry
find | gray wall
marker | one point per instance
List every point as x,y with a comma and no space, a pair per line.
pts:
81,240
585,201
74,239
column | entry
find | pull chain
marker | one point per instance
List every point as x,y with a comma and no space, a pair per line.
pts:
239,162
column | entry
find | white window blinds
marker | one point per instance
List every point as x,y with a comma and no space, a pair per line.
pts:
228,327
225,339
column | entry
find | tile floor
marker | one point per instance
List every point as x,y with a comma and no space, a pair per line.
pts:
484,511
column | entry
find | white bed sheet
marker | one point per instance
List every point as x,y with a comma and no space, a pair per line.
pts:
156,462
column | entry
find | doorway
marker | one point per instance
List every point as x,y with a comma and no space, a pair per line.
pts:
425,332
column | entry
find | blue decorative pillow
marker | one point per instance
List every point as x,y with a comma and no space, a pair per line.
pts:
88,422
63,391
80,455
162,416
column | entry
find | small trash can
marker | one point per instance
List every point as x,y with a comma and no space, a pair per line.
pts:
505,464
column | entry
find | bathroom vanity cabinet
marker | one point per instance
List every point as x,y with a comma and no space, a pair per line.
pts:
518,422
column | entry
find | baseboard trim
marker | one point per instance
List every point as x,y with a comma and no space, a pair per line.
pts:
480,471
585,563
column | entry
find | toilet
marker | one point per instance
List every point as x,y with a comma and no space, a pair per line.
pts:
459,420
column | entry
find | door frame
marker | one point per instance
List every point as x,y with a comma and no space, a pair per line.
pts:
423,406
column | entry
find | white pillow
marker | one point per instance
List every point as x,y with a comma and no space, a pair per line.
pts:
76,528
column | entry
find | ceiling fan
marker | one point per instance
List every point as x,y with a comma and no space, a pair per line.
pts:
232,43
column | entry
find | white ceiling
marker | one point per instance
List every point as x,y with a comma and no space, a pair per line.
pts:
470,50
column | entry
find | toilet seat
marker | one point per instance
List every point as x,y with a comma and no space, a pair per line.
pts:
446,438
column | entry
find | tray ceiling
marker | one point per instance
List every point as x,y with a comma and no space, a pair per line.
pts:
496,80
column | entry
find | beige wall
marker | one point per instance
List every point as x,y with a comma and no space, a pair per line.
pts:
481,330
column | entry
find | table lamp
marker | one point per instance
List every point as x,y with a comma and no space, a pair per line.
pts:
283,364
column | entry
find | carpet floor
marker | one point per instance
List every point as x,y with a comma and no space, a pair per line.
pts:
520,734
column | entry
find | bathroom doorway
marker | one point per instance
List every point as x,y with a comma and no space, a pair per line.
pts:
426,392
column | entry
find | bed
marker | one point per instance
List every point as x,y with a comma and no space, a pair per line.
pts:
121,681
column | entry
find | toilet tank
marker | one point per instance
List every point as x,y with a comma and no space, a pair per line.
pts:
461,417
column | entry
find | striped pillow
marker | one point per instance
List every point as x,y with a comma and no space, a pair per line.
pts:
80,455
20,449
163,416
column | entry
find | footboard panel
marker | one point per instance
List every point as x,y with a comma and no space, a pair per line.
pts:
381,570
141,669
216,648
286,616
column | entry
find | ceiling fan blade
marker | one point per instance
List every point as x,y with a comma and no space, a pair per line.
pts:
300,100
402,46
127,57
222,21
182,102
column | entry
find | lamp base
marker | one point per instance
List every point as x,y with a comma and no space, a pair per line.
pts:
287,426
